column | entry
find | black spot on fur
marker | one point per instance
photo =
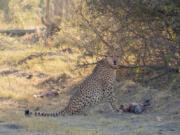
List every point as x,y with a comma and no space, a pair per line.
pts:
27,112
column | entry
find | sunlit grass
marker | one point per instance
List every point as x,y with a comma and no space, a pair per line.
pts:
16,91
16,88
50,64
13,50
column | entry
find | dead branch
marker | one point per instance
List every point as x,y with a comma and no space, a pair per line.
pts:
153,67
30,57
156,77
17,32
52,20
96,31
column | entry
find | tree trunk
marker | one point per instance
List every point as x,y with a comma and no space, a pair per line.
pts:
53,16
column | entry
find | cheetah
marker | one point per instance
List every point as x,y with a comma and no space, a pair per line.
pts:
96,87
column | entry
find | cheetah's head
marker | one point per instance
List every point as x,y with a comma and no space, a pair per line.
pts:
113,59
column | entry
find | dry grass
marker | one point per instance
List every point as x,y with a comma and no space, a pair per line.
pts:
59,126
16,91
16,86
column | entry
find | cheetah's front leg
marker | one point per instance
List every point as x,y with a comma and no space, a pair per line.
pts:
111,98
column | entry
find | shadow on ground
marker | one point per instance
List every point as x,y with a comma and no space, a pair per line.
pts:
97,124
161,118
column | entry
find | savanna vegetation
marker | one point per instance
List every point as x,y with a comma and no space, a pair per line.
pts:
52,44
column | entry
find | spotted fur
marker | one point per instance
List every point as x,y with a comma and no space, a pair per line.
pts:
97,86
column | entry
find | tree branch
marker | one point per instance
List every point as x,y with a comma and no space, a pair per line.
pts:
96,31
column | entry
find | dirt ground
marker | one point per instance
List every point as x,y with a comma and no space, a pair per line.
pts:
161,118
94,124
104,124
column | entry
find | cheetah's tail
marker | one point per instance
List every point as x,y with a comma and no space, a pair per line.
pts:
44,114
